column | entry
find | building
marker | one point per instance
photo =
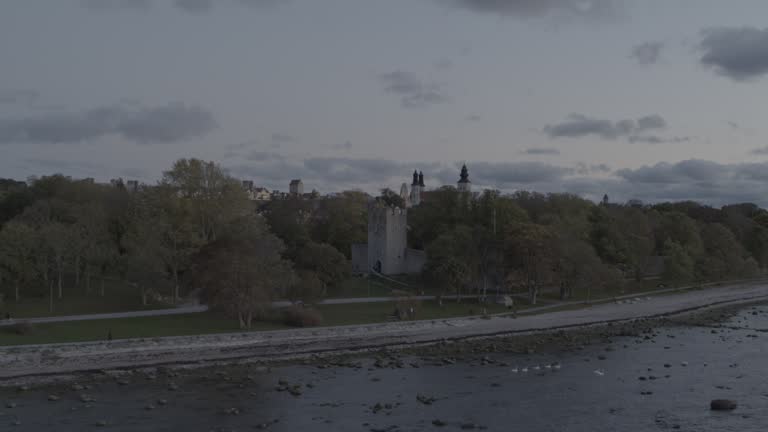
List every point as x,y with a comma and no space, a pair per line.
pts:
256,193
387,249
412,197
464,185
132,185
296,187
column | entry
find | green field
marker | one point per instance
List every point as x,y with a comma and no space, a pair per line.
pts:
206,323
118,297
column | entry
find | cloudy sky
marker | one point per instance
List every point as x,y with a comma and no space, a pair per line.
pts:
647,99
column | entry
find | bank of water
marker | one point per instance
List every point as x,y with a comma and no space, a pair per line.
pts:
649,381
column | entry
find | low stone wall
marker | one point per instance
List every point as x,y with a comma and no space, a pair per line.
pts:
65,358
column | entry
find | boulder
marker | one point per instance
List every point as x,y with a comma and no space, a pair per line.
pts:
722,405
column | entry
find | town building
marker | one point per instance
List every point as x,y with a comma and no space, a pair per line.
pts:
296,187
256,193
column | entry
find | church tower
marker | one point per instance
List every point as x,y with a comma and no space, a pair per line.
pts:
464,185
417,187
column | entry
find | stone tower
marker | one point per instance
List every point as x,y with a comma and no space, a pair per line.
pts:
387,238
464,185
417,187
405,195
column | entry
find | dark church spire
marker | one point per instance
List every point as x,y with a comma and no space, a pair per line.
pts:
421,179
464,177
415,178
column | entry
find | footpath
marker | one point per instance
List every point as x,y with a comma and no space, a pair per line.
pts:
50,359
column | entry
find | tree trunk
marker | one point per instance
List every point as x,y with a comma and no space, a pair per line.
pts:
87,279
102,286
59,282
175,285
17,290
143,295
50,298
241,319
77,271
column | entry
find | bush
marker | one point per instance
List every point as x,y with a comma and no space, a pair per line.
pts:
22,328
297,316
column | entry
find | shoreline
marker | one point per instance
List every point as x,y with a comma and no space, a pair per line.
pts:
561,330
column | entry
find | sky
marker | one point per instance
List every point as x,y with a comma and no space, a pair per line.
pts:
647,99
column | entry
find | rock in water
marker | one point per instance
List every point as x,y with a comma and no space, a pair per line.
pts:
722,405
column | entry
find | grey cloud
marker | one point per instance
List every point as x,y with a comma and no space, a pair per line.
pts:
281,138
116,4
737,53
194,6
64,166
584,169
759,151
653,139
540,8
134,173
579,125
647,53
542,151
699,180
170,123
444,63
261,156
345,169
505,175
23,96
347,145
473,118
413,92
693,170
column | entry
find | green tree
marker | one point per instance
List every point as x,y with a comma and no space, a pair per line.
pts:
241,272
679,266
530,257
19,248
328,264
215,198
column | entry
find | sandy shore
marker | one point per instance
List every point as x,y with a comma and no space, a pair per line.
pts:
51,359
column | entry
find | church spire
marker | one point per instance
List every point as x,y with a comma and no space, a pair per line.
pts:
415,178
464,184
464,176
421,179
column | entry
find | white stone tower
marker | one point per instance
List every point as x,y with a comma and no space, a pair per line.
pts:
417,187
405,195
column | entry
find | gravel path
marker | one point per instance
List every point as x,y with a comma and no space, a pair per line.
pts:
63,358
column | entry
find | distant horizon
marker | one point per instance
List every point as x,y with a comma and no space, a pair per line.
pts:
396,188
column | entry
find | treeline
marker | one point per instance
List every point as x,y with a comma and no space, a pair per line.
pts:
531,241
194,233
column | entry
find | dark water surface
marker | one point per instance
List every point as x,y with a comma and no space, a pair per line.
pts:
596,389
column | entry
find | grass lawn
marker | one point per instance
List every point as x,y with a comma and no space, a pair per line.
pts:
374,286
367,313
144,327
119,297
207,323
